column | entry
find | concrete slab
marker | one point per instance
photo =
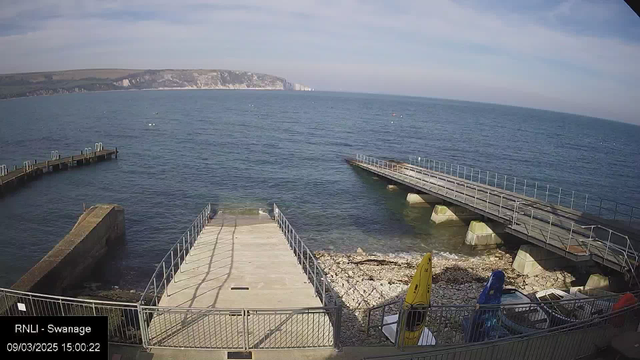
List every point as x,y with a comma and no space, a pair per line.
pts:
240,262
241,251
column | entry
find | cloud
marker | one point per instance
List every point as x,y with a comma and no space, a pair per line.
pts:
480,51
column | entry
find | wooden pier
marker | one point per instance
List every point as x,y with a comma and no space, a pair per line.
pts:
12,180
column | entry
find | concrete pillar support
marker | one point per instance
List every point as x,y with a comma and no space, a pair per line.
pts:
442,213
532,260
484,234
422,199
597,281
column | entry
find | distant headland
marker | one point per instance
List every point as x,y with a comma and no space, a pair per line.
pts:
85,80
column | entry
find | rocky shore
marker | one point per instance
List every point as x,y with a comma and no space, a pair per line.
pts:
365,280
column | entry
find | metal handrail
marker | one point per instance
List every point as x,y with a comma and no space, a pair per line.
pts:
59,298
492,178
627,250
307,260
187,240
441,317
487,201
447,352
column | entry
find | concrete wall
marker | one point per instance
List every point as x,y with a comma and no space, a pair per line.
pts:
75,255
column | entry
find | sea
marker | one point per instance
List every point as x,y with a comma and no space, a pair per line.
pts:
180,150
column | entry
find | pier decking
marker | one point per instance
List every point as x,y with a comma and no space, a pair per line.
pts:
242,285
240,261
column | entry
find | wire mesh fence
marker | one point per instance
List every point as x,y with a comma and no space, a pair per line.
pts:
124,320
567,342
463,324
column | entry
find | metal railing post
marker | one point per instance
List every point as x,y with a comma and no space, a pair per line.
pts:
471,175
600,207
164,275
559,194
525,187
546,198
504,184
475,198
179,268
514,184
245,329
487,208
535,191
487,182
458,172
572,195
570,234
586,199
337,327
608,242
143,327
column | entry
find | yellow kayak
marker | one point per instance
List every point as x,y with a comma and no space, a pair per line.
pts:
418,298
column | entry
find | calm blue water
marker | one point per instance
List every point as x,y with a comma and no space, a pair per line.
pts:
248,148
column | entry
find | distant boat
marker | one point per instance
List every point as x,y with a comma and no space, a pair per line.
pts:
524,318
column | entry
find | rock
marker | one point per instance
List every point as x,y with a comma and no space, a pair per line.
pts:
365,280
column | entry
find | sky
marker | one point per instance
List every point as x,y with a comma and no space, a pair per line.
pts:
571,56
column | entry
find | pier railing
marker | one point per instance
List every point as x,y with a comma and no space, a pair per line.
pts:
450,325
307,260
571,341
592,204
124,320
171,262
539,223
241,329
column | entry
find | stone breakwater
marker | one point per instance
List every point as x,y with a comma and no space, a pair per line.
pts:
364,280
